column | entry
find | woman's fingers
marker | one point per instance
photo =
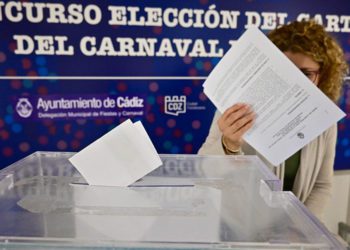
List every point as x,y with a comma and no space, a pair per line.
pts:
243,129
235,122
234,117
242,121
237,130
233,109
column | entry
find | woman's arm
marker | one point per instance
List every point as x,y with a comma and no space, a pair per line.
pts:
212,144
227,130
322,189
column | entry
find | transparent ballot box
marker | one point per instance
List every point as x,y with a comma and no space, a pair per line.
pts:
190,202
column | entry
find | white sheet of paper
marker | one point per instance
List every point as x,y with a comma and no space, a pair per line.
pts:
119,158
291,111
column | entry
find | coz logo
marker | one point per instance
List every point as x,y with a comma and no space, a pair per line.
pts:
174,105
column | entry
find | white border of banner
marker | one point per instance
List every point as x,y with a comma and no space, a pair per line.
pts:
103,77
111,78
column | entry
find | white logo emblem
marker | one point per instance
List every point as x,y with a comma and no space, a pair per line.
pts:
24,108
301,135
174,105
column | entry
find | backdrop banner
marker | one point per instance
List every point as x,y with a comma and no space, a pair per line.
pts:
71,71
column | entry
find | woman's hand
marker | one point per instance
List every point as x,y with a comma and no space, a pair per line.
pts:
233,123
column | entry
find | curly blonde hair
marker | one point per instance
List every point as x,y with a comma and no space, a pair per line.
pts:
311,39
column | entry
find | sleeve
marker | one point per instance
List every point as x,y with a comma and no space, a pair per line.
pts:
322,190
212,144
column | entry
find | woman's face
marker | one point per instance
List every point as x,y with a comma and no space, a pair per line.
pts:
306,64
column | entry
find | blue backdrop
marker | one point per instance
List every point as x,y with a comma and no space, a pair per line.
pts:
71,71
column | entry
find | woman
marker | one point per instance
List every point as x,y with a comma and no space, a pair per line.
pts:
308,173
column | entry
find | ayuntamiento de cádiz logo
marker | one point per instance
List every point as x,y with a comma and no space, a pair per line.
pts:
24,108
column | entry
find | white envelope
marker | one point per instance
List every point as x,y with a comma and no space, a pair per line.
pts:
119,158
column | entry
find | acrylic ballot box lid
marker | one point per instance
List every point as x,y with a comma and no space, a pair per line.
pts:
190,202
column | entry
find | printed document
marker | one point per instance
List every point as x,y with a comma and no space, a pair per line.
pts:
290,110
119,158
